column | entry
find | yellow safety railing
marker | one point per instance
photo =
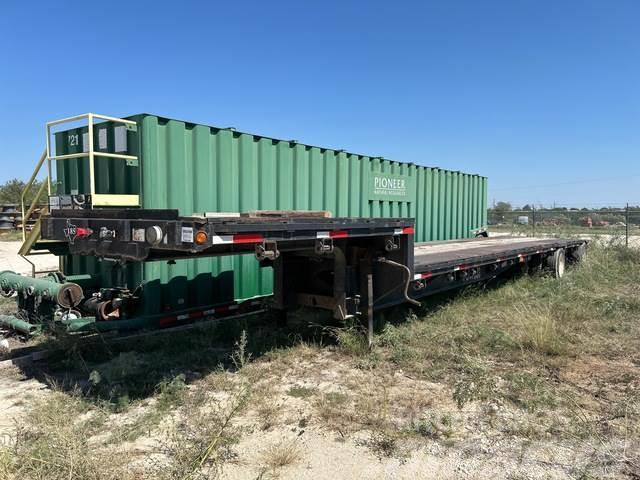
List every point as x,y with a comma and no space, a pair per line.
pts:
97,199
27,213
29,238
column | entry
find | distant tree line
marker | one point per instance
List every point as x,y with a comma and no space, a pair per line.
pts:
11,191
505,213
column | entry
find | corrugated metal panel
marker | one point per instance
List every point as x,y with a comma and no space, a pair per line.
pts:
112,176
197,168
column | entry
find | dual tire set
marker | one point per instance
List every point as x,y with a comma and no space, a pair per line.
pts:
557,263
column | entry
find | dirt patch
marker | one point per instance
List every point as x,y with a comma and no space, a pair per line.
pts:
10,260
323,417
363,424
16,393
537,378
603,381
329,456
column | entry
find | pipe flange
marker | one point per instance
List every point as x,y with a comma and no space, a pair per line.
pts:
69,295
7,293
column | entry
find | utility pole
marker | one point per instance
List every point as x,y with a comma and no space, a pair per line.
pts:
533,219
626,223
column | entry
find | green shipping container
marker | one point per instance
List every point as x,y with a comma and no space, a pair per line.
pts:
198,168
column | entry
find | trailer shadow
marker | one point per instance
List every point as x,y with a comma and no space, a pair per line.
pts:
113,371
117,371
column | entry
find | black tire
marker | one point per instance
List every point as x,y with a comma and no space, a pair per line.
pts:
578,253
556,263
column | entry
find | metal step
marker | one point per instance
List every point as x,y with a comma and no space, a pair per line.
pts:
32,237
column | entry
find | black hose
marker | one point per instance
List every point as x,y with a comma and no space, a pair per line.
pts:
407,282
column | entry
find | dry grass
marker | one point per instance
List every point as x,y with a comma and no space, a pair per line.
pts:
281,455
540,330
267,411
535,360
54,443
332,409
169,395
511,346
199,442
11,236
298,391
7,466
70,435
434,426
7,305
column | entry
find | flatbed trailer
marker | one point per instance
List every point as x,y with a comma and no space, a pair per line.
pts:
349,266
442,266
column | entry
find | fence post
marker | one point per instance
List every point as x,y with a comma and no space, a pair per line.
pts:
533,219
626,222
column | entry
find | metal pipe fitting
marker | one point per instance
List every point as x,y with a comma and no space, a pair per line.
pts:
67,295
18,325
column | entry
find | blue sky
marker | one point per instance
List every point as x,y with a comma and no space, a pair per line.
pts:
542,97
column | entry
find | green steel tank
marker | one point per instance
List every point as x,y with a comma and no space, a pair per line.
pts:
199,168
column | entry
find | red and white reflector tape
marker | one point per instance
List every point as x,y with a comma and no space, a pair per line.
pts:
257,238
205,313
404,231
345,233
422,276
237,238
221,239
247,238
333,234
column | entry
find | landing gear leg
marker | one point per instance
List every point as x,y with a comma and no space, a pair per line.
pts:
370,309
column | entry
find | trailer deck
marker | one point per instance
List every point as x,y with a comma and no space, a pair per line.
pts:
443,266
140,235
350,266
435,256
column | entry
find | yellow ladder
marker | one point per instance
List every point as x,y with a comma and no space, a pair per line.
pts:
32,244
29,238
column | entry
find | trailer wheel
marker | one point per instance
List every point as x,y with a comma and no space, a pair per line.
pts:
578,253
556,263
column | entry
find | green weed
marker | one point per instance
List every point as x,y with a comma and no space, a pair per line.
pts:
301,392
53,443
433,426
196,446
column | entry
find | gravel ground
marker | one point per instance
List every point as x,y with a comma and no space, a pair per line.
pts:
634,240
10,260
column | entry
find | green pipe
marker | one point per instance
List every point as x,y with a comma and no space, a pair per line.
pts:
89,324
66,295
80,324
21,326
85,280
